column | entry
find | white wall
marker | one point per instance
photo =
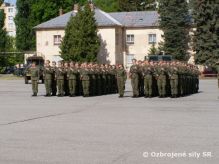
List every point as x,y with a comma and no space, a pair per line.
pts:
141,47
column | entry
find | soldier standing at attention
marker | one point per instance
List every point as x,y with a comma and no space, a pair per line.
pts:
161,80
148,79
174,78
34,71
54,84
134,70
66,88
85,79
121,79
72,76
60,73
47,74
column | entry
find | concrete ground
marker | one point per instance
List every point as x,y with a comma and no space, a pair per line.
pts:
106,129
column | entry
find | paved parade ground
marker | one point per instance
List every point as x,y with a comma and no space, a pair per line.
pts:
106,129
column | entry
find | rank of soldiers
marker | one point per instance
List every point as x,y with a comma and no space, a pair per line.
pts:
148,79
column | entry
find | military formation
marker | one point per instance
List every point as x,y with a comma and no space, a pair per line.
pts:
80,79
164,79
148,79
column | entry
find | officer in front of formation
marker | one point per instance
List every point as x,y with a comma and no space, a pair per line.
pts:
34,72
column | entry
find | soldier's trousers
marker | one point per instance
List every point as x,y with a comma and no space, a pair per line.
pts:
148,85
72,86
34,86
121,86
218,80
161,84
54,87
174,86
86,86
48,86
135,84
60,84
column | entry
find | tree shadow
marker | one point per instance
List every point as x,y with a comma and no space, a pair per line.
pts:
103,55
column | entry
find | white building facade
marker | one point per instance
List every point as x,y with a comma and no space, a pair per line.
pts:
124,35
10,13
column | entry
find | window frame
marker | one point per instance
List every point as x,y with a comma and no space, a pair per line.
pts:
130,39
152,38
57,40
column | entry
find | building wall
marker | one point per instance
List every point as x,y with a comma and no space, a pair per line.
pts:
45,42
46,47
10,13
141,45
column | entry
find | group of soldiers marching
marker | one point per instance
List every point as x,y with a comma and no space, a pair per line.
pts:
163,79
148,79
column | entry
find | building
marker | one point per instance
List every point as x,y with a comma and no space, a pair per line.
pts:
124,35
10,13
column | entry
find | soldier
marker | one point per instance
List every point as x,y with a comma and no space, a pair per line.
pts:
60,73
147,71
134,75
47,74
54,84
34,71
72,76
121,79
173,76
66,88
161,80
85,79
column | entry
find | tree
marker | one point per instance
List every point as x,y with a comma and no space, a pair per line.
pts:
107,5
175,23
136,5
25,34
206,37
153,50
81,42
1,2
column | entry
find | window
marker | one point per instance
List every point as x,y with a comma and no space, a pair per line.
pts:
10,18
152,39
130,39
57,39
10,10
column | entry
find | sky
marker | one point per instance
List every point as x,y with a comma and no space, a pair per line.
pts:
11,1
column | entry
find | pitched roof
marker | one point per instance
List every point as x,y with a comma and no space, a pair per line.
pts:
137,19
102,19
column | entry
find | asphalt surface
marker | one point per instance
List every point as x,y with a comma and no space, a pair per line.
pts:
106,129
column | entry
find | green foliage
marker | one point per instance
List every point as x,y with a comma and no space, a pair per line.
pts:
206,38
153,50
1,2
25,34
81,42
136,5
107,5
175,22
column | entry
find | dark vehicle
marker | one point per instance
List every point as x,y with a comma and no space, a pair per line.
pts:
39,62
158,58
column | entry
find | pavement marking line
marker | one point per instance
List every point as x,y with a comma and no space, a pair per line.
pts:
47,116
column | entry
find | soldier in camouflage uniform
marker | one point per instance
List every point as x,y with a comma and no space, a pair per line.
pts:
161,80
134,75
47,74
147,73
60,75
66,87
121,79
217,67
54,84
174,78
34,72
85,77
72,77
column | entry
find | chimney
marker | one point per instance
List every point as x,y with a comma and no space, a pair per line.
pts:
76,7
60,11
